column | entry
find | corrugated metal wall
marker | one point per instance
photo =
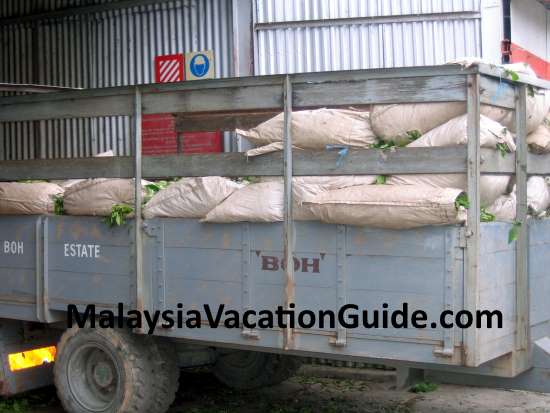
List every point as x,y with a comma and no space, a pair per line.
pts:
319,35
108,48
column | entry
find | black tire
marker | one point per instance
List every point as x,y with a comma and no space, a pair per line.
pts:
166,374
250,369
103,370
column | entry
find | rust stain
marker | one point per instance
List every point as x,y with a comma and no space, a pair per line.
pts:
59,230
226,240
77,231
96,233
360,239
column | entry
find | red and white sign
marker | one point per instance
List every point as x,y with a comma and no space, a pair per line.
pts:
169,68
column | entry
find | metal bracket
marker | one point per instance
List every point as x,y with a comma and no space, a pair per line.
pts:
341,288
247,282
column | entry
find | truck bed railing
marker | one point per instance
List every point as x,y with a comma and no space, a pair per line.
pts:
228,99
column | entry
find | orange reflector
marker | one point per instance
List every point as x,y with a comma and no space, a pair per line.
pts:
31,358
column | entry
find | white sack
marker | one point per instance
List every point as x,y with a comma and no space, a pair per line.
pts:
35,198
305,187
455,132
538,195
539,140
537,108
504,208
393,207
261,202
538,200
190,197
96,197
313,129
392,122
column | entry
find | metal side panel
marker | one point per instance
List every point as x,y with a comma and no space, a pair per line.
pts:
18,266
89,263
539,273
497,288
240,265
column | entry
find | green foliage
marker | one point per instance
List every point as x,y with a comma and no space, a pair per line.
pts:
413,135
530,91
503,149
118,216
381,144
511,74
514,232
14,406
486,216
381,179
152,188
462,201
58,205
424,387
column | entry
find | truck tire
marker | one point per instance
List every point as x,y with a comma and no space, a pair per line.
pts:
104,370
166,374
249,369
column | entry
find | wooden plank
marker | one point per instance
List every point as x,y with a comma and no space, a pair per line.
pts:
471,276
289,239
499,73
369,91
140,285
225,121
497,92
256,93
369,162
67,108
521,356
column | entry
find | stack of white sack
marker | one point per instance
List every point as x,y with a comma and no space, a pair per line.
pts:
538,200
36,198
455,132
539,140
401,123
190,197
96,197
264,201
313,130
391,207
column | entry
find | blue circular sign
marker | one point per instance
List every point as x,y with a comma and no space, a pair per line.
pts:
199,65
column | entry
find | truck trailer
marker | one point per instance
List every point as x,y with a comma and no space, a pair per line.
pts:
53,267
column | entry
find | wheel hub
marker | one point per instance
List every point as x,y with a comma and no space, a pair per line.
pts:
103,374
94,377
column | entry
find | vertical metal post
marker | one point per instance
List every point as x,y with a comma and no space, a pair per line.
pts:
288,230
137,207
471,284
522,244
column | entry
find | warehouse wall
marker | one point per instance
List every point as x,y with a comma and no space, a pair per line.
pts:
109,48
318,35
531,35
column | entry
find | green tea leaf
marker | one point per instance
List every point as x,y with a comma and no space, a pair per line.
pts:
58,205
462,201
118,216
503,149
511,74
486,216
514,232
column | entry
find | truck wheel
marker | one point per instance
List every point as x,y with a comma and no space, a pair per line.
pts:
166,374
250,369
103,370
